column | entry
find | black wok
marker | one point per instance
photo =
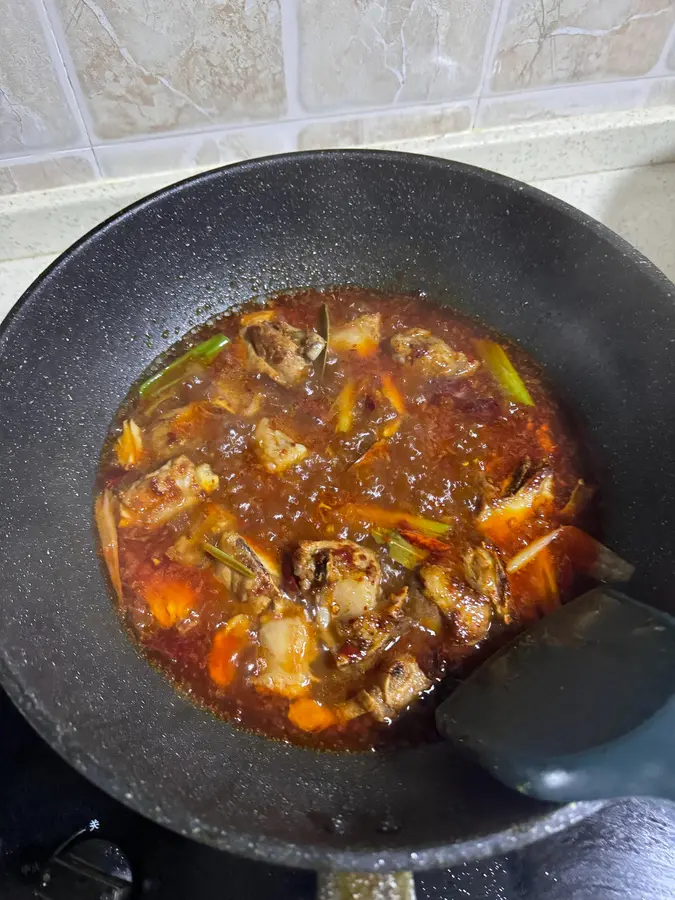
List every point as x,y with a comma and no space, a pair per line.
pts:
596,313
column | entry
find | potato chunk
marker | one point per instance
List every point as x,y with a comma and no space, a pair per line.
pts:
276,450
287,650
361,336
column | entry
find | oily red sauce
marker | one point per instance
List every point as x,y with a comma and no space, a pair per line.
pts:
459,442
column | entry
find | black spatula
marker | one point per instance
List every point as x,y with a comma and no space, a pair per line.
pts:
579,707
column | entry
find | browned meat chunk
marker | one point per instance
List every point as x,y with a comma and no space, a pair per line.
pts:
275,449
178,430
280,351
345,579
424,612
231,392
346,575
520,475
469,613
156,498
430,355
261,592
361,639
361,335
208,525
399,682
348,710
485,573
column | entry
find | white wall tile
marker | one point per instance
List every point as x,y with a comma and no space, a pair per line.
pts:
548,42
35,112
191,151
151,66
35,174
356,54
554,103
357,132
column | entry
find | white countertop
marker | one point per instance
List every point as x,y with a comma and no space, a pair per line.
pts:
618,168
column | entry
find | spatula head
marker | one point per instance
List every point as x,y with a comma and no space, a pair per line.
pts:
585,676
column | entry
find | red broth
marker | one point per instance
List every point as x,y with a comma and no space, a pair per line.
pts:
414,468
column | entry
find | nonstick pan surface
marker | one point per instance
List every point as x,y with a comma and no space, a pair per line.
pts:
589,307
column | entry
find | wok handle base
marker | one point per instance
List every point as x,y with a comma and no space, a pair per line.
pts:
366,886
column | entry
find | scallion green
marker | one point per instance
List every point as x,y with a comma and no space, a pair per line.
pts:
205,353
502,370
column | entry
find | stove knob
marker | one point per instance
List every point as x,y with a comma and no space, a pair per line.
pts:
87,869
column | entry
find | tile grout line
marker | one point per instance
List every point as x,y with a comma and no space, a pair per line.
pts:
491,44
397,111
59,67
287,123
45,156
291,128
53,20
599,144
290,49
660,68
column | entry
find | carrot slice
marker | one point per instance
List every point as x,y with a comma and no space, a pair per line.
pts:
310,715
376,451
424,541
392,393
345,404
390,429
260,315
545,440
169,599
228,643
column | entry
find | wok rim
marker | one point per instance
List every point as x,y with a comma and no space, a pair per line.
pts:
264,848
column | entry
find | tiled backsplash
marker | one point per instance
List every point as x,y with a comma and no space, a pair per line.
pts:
92,88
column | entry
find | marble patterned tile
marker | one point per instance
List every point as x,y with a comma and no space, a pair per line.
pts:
152,66
30,174
547,42
34,111
369,130
556,103
357,54
661,92
191,151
